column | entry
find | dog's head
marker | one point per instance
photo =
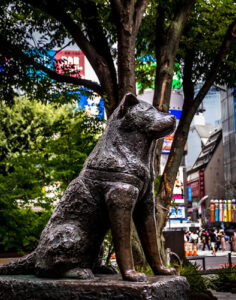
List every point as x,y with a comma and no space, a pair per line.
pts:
143,117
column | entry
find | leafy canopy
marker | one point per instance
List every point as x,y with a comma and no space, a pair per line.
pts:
40,145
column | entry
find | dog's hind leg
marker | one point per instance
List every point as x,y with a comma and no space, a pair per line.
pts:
120,200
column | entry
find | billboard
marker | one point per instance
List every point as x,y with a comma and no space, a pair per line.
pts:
70,61
176,104
177,213
167,143
195,188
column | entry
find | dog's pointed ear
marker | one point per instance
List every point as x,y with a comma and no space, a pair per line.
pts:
127,101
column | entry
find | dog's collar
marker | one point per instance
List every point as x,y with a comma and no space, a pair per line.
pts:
99,175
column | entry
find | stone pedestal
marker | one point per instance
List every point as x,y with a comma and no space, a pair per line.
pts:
29,287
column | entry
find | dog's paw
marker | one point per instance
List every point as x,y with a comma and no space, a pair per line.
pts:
162,270
79,273
132,275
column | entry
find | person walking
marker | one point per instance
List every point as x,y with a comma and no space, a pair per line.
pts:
232,242
205,240
222,241
212,236
218,240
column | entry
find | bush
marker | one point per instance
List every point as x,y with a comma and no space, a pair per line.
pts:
226,280
41,145
21,229
195,280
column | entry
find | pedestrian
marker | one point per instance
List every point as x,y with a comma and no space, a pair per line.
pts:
233,242
222,241
212,237
218,240
194,236
205,240
185,237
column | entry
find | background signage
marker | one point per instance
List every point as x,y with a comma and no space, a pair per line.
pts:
70,61
189,193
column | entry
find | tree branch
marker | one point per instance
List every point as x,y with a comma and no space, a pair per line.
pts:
102,68
140,8
52,74
167,45
74,29
68,79
96,34
223,51
115,8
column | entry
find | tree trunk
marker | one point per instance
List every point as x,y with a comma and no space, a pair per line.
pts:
167,44
126,50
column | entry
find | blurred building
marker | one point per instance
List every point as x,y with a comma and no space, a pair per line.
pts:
228,106
206,119
206,177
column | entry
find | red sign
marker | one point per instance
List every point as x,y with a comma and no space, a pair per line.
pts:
68,61
195,188
198,186
202,184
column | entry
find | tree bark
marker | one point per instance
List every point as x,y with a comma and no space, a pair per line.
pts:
166,48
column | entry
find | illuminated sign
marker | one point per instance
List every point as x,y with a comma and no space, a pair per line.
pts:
177,213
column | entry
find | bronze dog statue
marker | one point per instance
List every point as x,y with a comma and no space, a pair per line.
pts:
114,186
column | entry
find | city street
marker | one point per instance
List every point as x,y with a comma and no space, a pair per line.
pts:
215,262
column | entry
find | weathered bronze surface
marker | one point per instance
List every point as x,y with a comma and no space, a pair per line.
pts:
115,185
109,287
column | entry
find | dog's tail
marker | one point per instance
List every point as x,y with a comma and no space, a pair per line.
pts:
23,265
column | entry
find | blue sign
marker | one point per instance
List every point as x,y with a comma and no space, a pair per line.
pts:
189,193
46,58
176,113
178,212
96,108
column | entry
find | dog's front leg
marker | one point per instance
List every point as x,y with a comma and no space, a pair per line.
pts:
120,200
145,222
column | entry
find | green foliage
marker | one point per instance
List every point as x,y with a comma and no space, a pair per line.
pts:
226,280
195,280
20,229
28,29
40,145
144,269
108,248
201,39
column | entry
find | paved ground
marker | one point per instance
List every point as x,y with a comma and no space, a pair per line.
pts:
223,296
215,262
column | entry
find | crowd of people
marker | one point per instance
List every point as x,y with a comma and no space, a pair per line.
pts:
214,240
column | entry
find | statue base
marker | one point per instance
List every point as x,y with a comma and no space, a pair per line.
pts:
22,287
